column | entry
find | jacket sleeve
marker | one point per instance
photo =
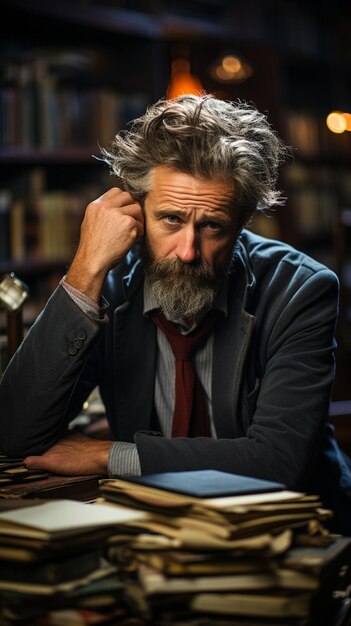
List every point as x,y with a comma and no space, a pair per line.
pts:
285,432
47,371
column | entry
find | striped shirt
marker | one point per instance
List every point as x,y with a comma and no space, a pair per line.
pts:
123,457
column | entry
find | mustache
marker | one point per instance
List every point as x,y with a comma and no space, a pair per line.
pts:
197,270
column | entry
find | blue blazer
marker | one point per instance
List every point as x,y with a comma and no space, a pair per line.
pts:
273,367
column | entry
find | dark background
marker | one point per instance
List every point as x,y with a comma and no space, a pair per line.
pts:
73,72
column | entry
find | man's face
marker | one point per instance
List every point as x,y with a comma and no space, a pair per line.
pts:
191,227
190,219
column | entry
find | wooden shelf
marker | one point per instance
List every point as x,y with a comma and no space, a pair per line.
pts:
123,21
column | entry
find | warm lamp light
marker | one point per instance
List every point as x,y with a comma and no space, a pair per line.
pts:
231,68
182,82
338,122
347,118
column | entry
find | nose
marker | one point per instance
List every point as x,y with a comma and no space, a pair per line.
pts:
187,245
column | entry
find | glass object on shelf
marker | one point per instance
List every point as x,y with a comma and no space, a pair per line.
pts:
13,293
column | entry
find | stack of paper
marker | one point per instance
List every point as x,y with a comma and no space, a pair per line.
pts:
244,508
222,546
52,557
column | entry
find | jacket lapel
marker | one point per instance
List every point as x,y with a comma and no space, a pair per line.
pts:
231,343
134,361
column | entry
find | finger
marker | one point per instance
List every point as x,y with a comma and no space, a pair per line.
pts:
138,231
111,193
123,198
34,462
134,216
137,228
134,210
125,203
55,465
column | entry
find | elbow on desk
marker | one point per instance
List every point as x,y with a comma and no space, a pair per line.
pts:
23,430
15,446
19,440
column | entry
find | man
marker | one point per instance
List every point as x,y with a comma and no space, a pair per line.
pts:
251,397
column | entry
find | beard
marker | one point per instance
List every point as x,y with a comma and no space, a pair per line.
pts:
183,291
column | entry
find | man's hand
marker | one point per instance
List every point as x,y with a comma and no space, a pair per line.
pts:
74,455
111,226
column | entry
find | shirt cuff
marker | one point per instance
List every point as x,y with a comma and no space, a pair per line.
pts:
123,460
95,311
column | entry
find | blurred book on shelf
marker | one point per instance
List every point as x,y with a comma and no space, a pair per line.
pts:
5,236
309,136
49,100
42,224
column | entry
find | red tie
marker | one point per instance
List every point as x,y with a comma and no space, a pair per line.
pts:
190,418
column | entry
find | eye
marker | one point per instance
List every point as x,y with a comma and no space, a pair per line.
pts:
171,219
213,227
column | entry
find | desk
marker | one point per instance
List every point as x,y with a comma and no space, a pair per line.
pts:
127,597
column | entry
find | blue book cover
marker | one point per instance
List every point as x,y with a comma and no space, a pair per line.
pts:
206,483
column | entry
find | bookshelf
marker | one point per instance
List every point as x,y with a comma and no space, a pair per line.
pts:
71,76
317,182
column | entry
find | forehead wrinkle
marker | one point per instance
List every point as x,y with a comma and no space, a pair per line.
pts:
207,201
173,189
200,192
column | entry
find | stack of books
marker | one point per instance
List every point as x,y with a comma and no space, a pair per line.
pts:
221,548
52,563
199,548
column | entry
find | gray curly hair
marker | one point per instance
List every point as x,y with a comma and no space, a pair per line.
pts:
206,138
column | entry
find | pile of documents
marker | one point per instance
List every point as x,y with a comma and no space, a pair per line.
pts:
251,552
198,548
52,563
